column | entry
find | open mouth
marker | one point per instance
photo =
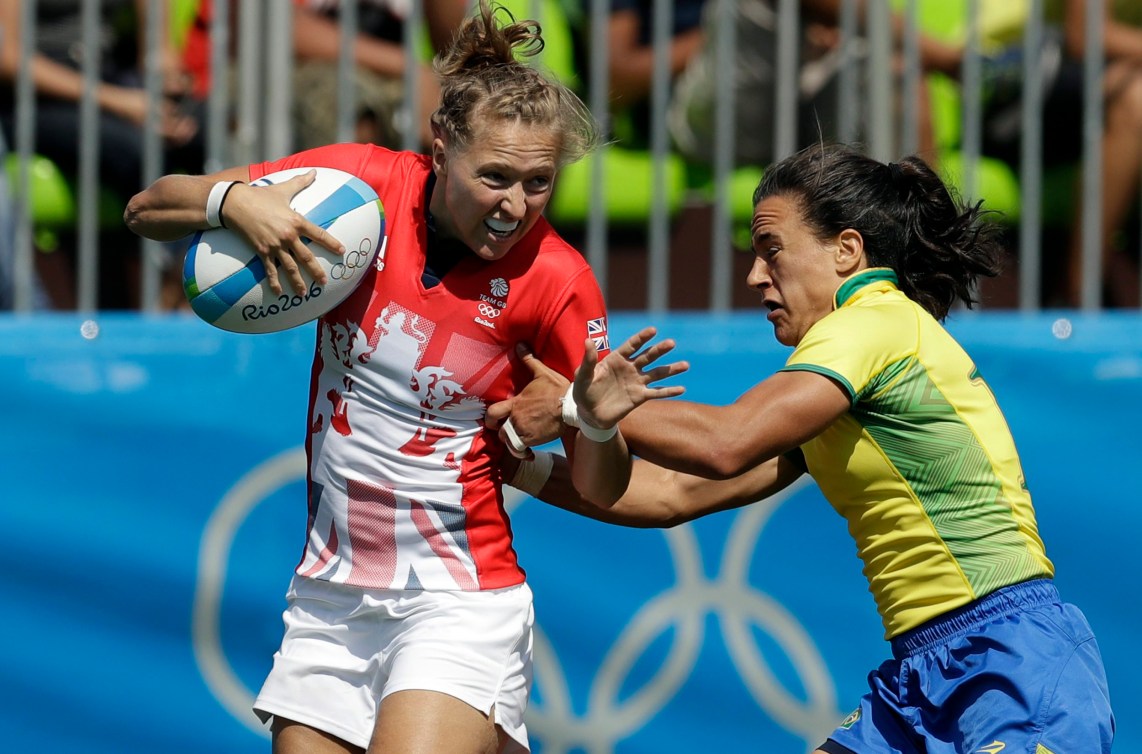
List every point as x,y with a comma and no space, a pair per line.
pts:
500,229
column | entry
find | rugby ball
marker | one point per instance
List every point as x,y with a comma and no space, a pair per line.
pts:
225,280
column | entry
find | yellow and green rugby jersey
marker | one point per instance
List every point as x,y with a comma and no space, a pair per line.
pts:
923,466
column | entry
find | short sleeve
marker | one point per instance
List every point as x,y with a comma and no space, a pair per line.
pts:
853,346
579,313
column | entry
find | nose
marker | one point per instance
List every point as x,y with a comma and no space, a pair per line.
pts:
514,201
758,276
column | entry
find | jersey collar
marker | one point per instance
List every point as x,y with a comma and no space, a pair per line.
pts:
864,279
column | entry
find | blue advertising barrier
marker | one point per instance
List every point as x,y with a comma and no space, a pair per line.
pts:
152,510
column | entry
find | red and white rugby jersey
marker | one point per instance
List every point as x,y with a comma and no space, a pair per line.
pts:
404,480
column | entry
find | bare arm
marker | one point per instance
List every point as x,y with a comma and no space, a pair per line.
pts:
319,38
443,18
661,498
935,55
1120,41
58,81
772,418
601,464
175,206
632,64
54,79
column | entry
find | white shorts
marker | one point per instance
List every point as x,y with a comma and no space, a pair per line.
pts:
346,648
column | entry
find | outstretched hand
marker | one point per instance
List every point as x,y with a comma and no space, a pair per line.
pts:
606,391
263,216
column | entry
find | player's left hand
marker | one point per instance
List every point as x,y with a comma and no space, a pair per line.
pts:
606,391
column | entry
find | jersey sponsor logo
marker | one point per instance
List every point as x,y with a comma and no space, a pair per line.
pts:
597,332
992,748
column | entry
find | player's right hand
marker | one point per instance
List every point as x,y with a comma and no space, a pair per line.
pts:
263,216
535,412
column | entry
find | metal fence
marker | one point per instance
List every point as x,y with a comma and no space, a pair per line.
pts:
249,119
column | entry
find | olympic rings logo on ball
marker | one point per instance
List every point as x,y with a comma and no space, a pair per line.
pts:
352,261
487,310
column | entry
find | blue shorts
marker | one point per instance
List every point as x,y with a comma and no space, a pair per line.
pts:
1017,671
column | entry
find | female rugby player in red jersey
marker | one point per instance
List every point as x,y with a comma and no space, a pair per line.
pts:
409,621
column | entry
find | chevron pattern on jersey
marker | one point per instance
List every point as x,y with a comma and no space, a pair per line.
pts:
941,460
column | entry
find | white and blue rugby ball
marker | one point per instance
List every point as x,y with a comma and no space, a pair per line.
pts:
225,280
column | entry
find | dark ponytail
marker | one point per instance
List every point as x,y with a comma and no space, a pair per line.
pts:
907,217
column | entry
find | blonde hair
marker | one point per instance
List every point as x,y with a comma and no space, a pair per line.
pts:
481,80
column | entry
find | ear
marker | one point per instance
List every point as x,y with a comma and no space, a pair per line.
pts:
439,157
850,252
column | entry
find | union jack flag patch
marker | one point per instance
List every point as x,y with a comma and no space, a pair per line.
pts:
597,332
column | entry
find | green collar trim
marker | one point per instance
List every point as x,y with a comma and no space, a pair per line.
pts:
849,288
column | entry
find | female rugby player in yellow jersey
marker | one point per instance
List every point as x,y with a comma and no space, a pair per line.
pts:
858,262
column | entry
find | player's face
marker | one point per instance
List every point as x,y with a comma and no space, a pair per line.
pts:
796,273
489,195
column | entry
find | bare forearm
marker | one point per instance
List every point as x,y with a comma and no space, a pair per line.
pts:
317,38
601,470
58,81
935,55
443,18
174,206
689,437
661,498
1120,41
776,416
632,71
1123,42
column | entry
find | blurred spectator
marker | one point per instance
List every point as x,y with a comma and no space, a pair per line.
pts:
1062,66
630,56
691,116
56,71
196,47
379,74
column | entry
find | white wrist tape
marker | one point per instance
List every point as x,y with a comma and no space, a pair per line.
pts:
516,445
568,407
595,434
214,203
533,474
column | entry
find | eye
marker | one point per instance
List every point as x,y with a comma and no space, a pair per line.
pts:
765,249
539,183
